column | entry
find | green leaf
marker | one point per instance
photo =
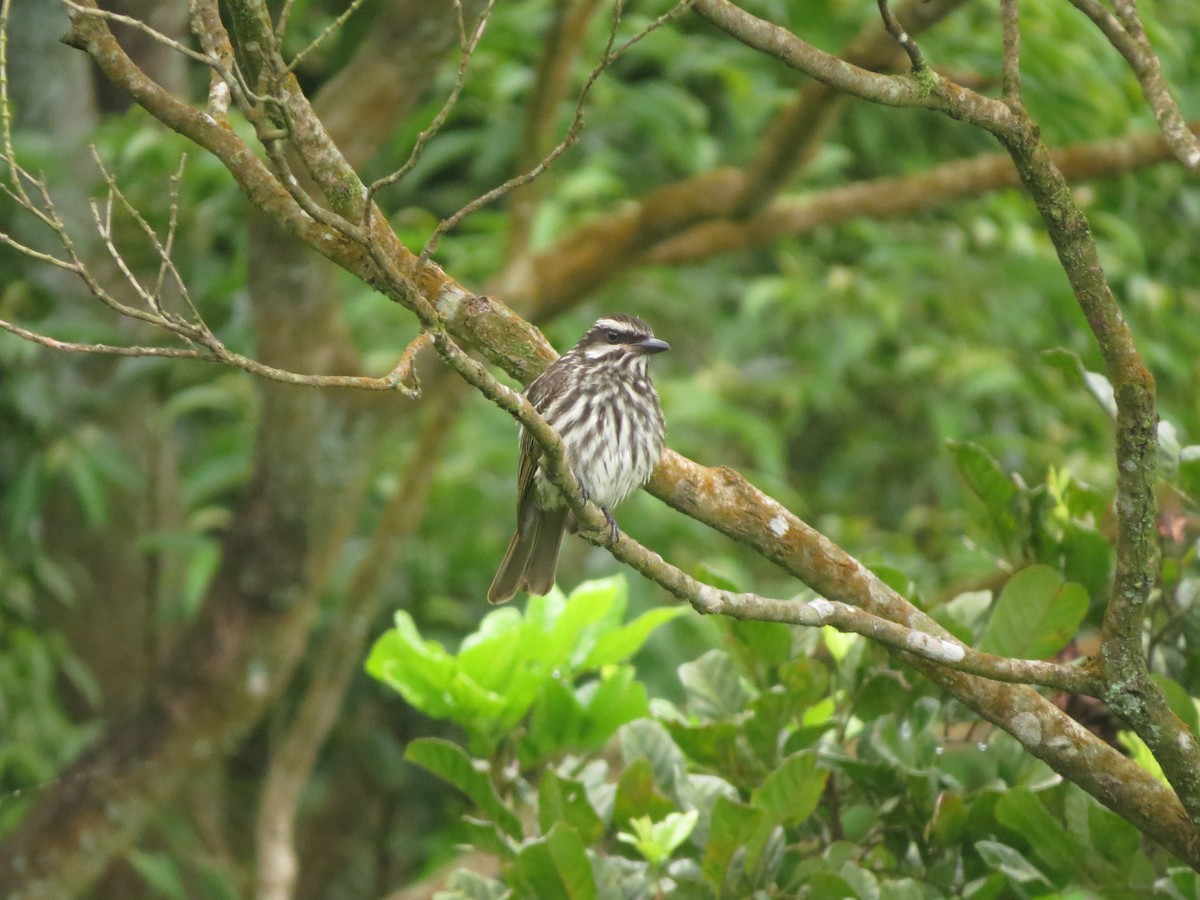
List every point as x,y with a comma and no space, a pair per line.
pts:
564,800
420,670
463,884
1035,615
1010,862
790,794
451,762
646,739
988,482
620,644
1180,701
554,867
949,820
762,643
1069,363
1021,810
713,686
657,841
589,608
160,872
615,700
637,795
716,746
556,721
734,826
570,859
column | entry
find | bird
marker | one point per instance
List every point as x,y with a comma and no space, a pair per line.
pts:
599,397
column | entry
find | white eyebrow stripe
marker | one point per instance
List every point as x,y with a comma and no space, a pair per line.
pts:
612,324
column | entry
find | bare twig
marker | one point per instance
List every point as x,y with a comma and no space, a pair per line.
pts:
102,349
320,38
609,57
467,45
1011,64
75,9
903,38
282,22
561,47
18,189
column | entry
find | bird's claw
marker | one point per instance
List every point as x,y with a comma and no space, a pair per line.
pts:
612,525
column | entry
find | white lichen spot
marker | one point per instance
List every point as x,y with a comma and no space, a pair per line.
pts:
902,37
951,651
1186,742
936,648
209,120
708,600
1193,158
778,526
822,607
1062,744
1027,729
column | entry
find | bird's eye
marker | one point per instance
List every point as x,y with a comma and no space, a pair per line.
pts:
614,337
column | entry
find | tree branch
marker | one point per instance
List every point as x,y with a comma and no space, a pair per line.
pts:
1127,34
904,195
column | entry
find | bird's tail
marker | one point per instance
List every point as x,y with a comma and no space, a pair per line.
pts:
532,557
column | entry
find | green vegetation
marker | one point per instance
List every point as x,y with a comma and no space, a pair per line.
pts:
195,563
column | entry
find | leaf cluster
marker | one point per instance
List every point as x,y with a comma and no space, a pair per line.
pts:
795,765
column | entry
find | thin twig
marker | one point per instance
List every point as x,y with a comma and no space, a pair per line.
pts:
609,57
1011,19
103,349
6,112
468,46
133,22
218,353
153,299
903,38
282,23
320,38
404,372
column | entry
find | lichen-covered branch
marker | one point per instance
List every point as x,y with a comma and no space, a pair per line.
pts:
1128,687
1127,34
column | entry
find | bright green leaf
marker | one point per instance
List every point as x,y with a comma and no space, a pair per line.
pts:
451,762
1035,615
621,643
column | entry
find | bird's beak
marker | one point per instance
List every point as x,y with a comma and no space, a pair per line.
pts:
651,345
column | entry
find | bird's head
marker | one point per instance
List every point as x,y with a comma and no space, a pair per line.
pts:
619,335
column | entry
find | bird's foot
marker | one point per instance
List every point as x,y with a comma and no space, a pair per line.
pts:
612,525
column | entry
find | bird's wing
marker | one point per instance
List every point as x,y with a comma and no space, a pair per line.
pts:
540,393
